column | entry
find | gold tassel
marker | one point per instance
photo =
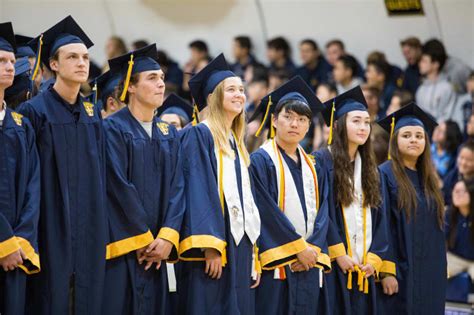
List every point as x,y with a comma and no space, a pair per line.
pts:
38,59
257,134
349,280
94,89
392,128
366,286
127,79
272,129
195,115
331,123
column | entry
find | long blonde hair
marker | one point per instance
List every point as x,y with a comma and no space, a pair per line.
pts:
220,132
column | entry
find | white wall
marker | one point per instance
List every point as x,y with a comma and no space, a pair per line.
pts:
363,24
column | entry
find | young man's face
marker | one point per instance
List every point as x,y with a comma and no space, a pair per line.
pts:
411,54
290,126
72,63
333,52
150,88
427,66
308,54
239,51
340,72
7,69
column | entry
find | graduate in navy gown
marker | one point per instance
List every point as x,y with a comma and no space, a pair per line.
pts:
105,93
357,219
70,141
415,216
288,183
459,230
20,90
145,190
218,248
176,111
19,191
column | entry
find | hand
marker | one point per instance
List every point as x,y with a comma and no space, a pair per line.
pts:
157,251
257,282
297,267
345,263
308,258
141,254
213,263
12,261
368,269
390,285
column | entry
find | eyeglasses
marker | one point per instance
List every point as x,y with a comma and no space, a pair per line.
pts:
299,120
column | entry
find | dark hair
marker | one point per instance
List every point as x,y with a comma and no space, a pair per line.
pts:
140,43
471,75
244,42
454,215
260,73
16,99
199,45
375,91
298,107
406,192
435,50
381,67
350,63
281,74
344,169
281,44
453,137
330,86
337,42
312,43
405,97
133,80
120,44
163,58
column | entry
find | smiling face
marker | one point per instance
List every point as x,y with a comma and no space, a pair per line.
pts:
234,96
358,126
71,63
411,141
150,89
7,69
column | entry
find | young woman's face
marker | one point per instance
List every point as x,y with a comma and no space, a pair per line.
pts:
358,127
465,162
411,141
291,127
460,195
234,96
439,133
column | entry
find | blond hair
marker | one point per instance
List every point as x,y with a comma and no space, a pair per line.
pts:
220,132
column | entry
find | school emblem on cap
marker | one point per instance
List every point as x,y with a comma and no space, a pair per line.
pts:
89,107
164,128
17,118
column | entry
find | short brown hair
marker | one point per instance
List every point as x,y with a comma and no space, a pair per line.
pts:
412,41
133,80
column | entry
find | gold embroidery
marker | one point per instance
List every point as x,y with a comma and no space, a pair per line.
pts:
89,107
163,128
17,118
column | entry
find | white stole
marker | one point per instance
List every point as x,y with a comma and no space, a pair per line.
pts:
288,198
246,220
354,217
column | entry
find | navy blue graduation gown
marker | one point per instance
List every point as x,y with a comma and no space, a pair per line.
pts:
145,190
72,226
463,244
206,225
19,207
417,247
299,292
341,299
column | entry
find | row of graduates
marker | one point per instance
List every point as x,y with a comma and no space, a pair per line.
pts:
277,232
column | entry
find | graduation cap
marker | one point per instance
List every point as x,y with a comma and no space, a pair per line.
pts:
205,81
7,37
176,105
22,47
140,60
22,78
352,100
65,32
104,85
294,90
409,115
